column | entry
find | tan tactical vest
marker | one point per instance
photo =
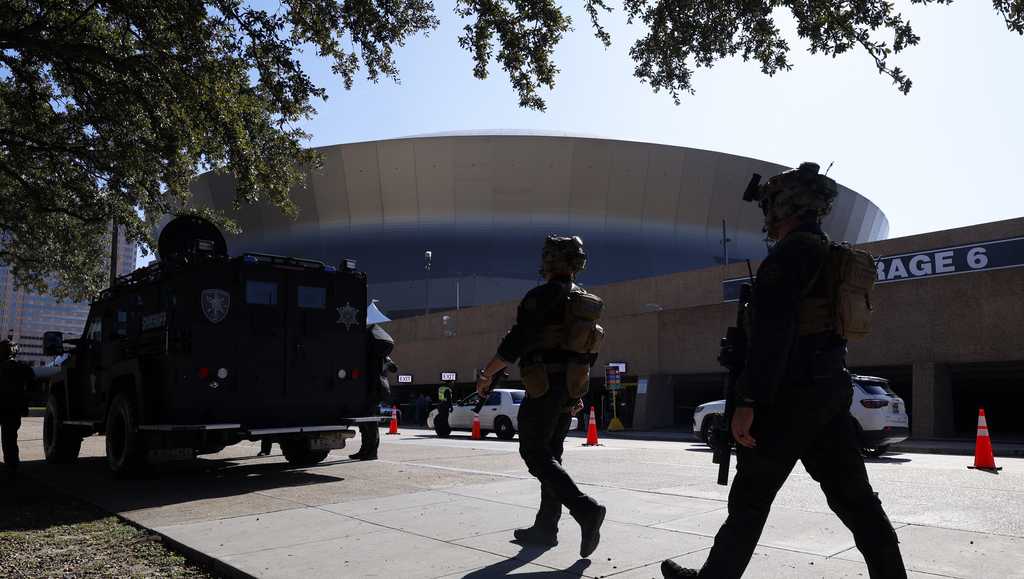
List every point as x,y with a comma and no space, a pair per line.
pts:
839,298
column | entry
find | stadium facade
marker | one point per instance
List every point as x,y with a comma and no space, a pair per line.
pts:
481,204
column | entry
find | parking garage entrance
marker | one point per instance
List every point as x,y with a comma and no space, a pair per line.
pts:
998,387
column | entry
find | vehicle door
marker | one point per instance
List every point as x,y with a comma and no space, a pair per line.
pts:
491,409
462,412
262,347
309,335
85,376
326,340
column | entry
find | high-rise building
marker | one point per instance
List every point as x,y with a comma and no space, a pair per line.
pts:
25,316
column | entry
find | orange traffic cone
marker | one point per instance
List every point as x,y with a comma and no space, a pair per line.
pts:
393,427
983,457
476,427
592,430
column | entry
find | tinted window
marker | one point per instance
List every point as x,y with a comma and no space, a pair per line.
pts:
312,297
261,292
518,397
494,399
95,332
874,388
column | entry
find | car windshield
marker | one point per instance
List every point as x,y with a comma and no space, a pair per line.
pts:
518,397
875,388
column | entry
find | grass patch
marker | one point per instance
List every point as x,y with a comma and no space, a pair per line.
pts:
47,534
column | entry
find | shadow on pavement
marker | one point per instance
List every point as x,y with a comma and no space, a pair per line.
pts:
170,484
886,460
528,554
25,505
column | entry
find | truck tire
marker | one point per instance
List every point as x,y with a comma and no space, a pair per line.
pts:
298,453
126,450
61,443
503,428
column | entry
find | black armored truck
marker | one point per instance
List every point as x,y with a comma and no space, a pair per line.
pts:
199,350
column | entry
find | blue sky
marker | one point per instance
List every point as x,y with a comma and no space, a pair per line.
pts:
949,154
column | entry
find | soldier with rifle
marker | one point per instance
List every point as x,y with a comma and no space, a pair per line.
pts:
793,393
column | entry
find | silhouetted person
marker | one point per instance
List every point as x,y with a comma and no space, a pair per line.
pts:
15,378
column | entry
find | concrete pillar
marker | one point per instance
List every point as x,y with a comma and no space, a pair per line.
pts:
654,408
933,401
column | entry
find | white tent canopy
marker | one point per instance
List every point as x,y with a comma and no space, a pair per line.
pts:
374,315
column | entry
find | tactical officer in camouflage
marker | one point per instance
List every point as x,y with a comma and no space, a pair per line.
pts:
794,393
555,339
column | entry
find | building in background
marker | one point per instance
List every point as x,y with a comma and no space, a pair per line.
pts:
25,316
481,204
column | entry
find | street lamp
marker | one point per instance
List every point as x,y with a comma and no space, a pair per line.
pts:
427,257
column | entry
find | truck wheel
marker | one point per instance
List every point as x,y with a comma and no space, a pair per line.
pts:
298,453
705,429
126,451
61,443
503,428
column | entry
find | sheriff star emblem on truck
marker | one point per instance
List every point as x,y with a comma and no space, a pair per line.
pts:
348,315
215,304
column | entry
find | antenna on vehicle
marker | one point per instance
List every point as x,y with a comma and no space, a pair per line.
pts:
829,167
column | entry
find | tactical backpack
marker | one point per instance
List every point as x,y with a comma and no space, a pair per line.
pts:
583,334
845,305
854,274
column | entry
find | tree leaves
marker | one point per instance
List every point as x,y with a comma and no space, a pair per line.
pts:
109,108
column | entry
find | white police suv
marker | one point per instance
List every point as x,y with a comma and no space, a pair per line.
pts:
499,413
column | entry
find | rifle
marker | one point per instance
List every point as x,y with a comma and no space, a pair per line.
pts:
732,355
494,384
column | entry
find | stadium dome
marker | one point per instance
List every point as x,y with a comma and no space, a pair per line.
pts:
482,202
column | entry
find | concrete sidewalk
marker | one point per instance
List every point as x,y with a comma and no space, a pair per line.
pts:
445,508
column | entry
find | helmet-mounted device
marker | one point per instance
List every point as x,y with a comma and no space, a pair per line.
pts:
800,191
563,255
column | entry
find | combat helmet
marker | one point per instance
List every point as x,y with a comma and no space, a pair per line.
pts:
563,255
801,191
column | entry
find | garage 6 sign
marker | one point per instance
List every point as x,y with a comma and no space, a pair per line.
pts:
952,260
984,256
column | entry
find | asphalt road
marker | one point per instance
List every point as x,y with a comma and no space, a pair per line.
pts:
433,508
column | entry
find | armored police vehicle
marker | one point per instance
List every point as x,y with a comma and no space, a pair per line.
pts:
199,351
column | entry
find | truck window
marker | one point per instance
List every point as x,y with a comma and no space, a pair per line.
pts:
312,297
262,293
95,333
122,323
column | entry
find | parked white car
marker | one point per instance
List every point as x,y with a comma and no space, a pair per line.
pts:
881,416
499,413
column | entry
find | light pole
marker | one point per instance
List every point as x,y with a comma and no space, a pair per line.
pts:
427,257
725,245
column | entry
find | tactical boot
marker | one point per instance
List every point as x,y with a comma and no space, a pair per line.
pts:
363,456
537,536
590,529
672,570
